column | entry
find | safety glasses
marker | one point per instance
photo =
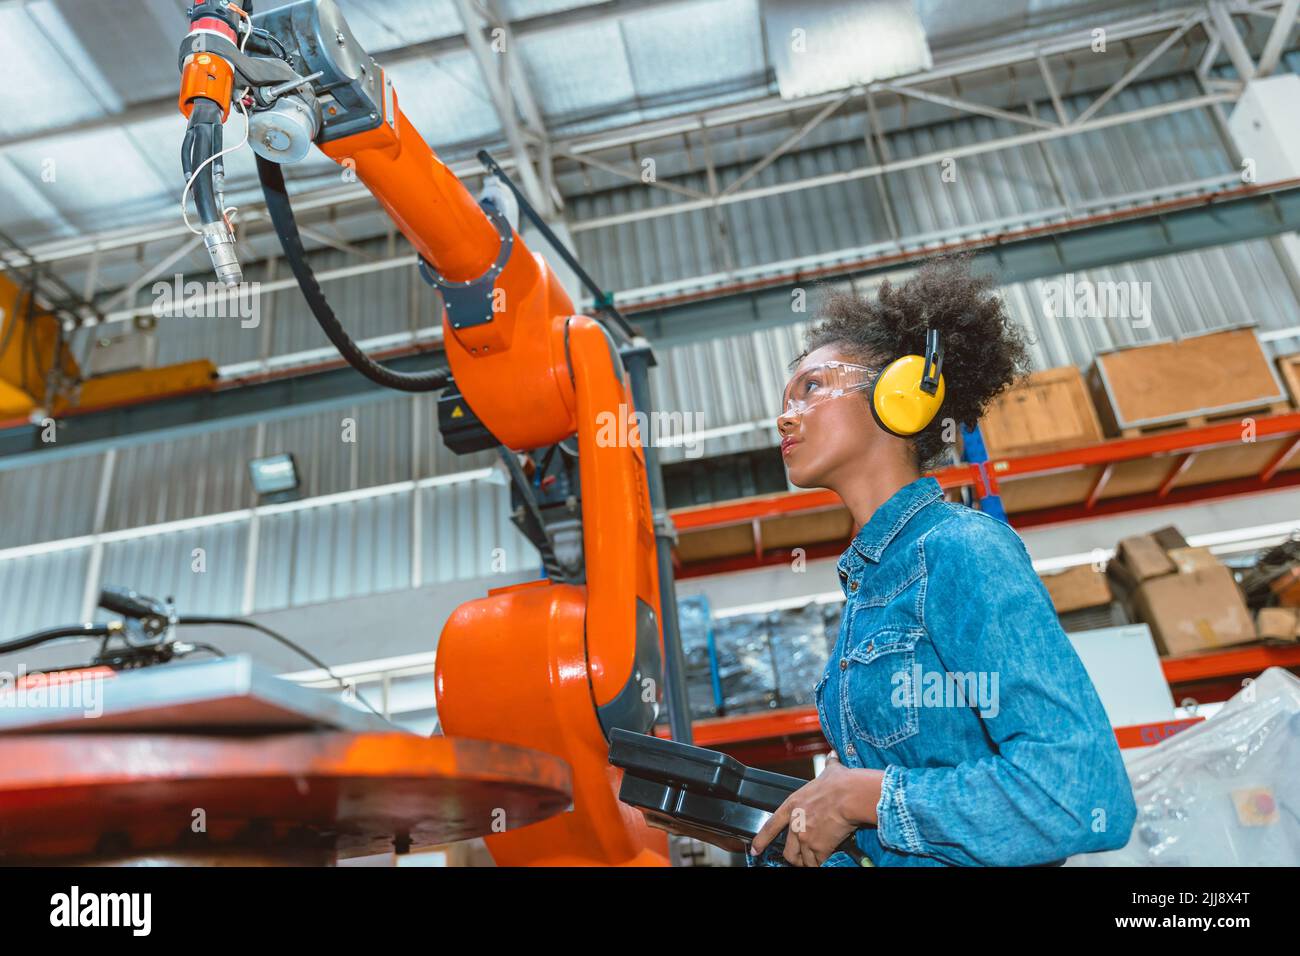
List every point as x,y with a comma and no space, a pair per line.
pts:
820,383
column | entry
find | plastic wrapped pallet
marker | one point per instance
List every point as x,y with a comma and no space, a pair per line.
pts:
832,612
799,653
1225,792
745,667
695,622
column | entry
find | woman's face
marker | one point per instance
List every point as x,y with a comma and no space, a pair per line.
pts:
830,436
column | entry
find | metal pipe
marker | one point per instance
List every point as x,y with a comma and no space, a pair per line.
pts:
637,359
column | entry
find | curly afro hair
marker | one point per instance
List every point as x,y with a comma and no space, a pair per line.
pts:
984,350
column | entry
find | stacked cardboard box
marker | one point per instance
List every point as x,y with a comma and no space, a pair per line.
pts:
1190,601
1044,412
1163,384
1278,624
1078,588
1083,599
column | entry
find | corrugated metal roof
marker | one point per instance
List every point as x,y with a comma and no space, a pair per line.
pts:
385,24
1168,150
568,86
698,47
649,61
517,9
69,173
30,62
445,98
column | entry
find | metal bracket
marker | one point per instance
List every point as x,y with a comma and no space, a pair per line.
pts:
470,303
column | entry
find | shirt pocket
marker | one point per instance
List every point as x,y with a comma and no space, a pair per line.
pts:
880,701
819,698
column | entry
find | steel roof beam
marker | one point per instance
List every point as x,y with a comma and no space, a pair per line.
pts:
1250,214
687,123
393,56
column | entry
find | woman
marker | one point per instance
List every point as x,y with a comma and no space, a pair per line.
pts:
965,730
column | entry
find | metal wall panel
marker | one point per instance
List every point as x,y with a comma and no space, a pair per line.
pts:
201,474
41,590
48,502
1189,293
336,551
368,305
728,381
202,569
466,533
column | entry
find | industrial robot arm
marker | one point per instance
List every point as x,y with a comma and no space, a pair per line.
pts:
553,665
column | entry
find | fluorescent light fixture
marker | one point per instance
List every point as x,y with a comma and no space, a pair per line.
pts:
274,477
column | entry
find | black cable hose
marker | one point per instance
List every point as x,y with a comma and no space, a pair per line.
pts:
187,150
105,630
202,140
53,634
277,204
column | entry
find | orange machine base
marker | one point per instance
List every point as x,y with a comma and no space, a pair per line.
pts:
512,668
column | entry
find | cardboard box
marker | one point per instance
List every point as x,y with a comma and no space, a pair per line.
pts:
1044,412
1278,623
1122,581
1141,555
1196,612
1166,383
1286,587
1169,538
1187,560
1289,367
1078,588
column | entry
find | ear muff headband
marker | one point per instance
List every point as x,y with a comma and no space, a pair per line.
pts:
908,393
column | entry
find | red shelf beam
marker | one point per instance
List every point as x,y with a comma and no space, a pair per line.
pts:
984,479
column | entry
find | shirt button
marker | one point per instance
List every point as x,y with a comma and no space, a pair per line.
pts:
850,750
844,665
853,586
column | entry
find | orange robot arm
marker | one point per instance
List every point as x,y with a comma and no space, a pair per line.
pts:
549,665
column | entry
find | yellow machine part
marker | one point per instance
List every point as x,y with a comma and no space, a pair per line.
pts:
122,388
27,353
14,402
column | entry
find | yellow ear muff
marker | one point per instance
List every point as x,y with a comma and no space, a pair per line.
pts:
899,404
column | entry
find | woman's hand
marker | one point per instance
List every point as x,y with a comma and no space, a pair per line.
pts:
822,813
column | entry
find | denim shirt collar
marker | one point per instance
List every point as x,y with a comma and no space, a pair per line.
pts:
889,519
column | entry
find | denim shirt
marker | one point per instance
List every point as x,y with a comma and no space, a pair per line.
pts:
952,674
